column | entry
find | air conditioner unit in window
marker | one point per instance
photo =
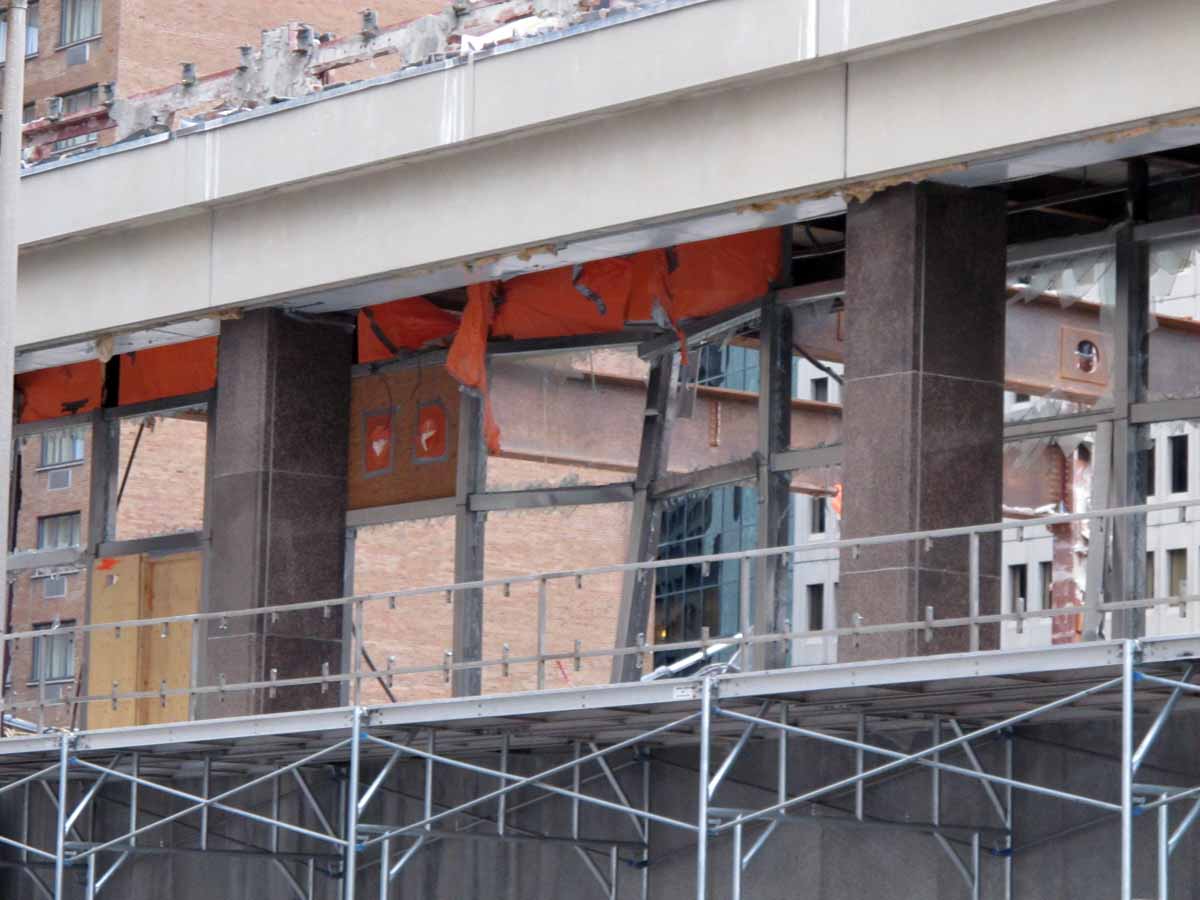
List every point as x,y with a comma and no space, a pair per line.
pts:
58,479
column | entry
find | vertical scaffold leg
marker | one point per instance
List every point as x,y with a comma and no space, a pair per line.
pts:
1128,650
350,863
60,832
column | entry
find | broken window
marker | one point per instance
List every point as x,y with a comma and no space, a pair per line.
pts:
161,474
693,596
80,20
567,419
579,613
1059,347
76,102
415,631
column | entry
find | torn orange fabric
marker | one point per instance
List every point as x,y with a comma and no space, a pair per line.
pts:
467,360
586,299
702,278
171,371
61,391
409,324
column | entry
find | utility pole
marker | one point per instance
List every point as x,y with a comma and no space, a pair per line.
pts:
10,184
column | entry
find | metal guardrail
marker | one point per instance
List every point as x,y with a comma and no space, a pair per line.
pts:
707,644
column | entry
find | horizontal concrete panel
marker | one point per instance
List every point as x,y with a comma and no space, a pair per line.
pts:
78,287
649,163
1031,82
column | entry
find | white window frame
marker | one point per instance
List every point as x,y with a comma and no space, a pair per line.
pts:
56,637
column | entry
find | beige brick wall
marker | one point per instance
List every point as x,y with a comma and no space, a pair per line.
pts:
418,554
165,490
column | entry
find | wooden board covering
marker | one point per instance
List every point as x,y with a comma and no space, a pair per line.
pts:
116,597
403,437
170,587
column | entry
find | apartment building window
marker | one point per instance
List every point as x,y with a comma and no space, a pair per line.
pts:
32,30
1046,573
816,607
1179,463
77,102
1018,583
54,587
816,515
55,532
820,389
53,654
64,447
1177,572
1151,469
80,20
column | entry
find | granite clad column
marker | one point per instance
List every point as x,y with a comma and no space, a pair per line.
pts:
278,506
923,408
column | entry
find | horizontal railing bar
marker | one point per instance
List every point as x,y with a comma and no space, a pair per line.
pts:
650,565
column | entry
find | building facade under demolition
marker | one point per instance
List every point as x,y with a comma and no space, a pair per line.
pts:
769,470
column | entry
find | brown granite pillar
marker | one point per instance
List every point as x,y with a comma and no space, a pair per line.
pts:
923,408
278,500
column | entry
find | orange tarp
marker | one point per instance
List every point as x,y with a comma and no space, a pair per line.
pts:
699,279
409,324
585,299
170,371
467,359
61,391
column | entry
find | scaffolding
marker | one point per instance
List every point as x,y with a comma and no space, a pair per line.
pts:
588,737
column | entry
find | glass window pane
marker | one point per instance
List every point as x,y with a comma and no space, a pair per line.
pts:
1174,319
59,531
80,20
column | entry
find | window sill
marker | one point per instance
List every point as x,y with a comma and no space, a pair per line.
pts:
28,56
62,465
86,40
50,682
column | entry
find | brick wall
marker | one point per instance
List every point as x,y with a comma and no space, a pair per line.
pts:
158,35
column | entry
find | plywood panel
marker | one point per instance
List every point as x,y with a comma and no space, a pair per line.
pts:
171,587
403,437
116,596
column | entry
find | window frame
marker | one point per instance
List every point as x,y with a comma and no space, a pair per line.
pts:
78,530
33,27
54,578
56,635
78,438
64,17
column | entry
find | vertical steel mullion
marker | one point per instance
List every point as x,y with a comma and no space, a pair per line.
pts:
702,809
1127,770
350,857
744,601
357,645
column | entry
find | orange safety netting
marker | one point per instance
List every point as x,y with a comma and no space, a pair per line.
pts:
171,371
467,359
61,391
586,299
409,324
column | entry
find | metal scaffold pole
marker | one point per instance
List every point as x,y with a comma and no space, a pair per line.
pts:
702,811
10,187
1128,650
